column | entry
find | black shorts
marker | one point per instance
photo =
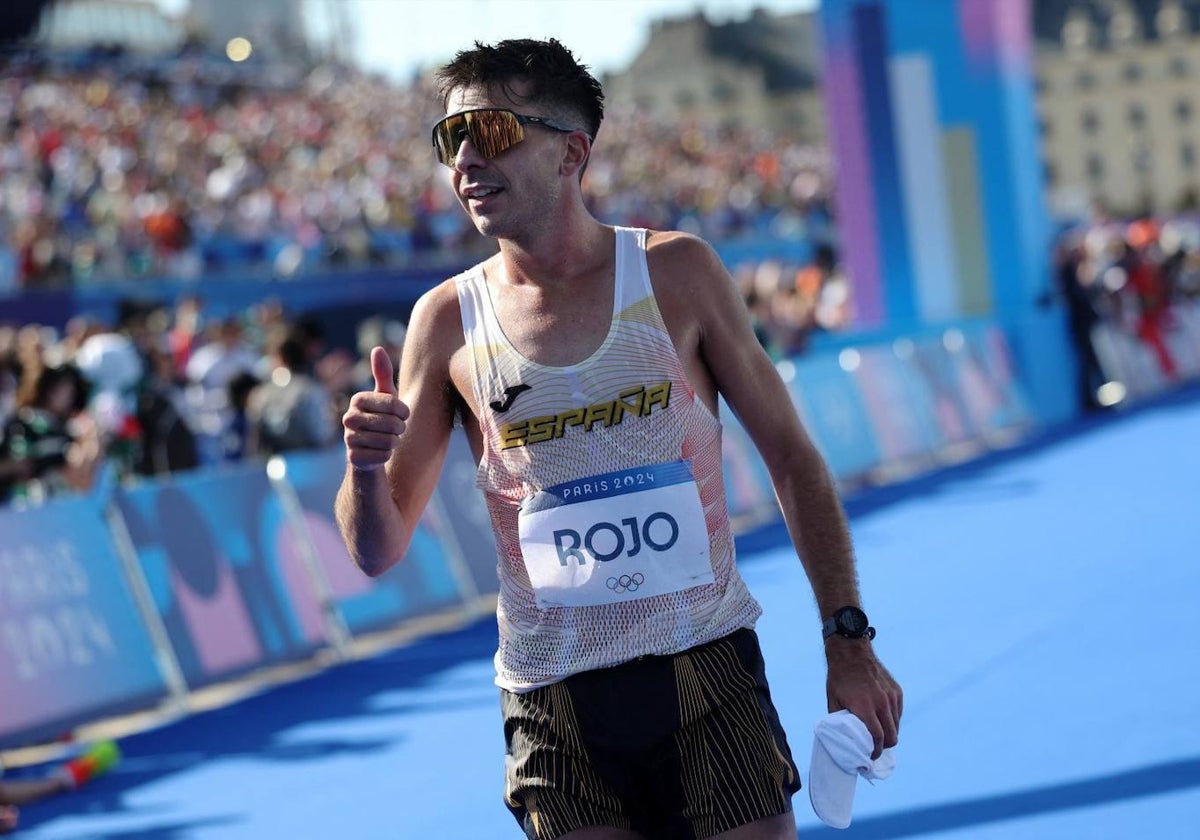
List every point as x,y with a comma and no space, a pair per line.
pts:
682,746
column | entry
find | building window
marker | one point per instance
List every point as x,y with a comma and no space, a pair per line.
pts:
1133,72
1091,122
1086,80
1137,116
1183,111
1095,167
1179,67
1140,158
723,92
1045,128
1187,156
1050,173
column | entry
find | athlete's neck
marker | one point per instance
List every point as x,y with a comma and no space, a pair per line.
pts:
560,255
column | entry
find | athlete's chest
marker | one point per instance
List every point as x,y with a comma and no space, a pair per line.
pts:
554,328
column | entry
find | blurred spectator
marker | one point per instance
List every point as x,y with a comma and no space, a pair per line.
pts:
290,410
337,371
376,331
310,334
1139,281
113,365
49,445
1142,261
236,435
1078,288
186,334
834,309
167,444
789,300
10,373
209,371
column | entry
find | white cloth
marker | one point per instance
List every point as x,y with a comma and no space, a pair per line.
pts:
841,753
112,364
110,361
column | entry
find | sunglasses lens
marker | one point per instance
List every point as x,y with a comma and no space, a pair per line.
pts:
447,137
493,131
490,131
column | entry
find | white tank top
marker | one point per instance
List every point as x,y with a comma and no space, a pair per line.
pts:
603,480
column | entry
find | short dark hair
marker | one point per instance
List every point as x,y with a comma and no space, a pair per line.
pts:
554,75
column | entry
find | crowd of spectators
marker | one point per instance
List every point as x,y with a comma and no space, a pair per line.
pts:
792,300
115,168
168,389
1138,278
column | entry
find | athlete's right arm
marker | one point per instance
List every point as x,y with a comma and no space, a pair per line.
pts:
396,438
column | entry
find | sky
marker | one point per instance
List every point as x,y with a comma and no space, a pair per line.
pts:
399,37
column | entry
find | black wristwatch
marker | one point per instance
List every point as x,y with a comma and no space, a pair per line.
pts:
850,623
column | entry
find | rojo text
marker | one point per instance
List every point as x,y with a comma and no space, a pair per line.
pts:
606,541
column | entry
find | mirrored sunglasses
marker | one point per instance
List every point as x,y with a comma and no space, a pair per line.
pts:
491,131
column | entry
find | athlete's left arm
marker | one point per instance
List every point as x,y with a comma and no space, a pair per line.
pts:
713,332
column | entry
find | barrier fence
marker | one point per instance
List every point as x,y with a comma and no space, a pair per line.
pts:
136,595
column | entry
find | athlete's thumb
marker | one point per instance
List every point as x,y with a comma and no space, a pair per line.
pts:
381,368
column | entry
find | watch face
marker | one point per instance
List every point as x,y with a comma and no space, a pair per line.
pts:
852,621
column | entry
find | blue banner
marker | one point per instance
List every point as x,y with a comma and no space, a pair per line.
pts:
988,383
422,583
833,411
212,545
72,644
901,413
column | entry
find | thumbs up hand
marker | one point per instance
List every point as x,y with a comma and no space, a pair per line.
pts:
381,368
375,419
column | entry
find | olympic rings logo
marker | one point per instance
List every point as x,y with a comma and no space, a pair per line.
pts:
626,583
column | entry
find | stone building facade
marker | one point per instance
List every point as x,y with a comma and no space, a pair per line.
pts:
759,71
1119,104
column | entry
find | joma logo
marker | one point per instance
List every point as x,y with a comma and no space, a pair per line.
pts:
510,395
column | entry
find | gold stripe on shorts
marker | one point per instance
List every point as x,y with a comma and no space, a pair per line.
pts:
733,769
573,794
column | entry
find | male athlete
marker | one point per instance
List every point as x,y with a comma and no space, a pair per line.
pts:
585,363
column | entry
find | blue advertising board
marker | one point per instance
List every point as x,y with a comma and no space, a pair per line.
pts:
212,547
832,408
72,643
422,583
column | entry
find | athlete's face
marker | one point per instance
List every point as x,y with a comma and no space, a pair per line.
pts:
513,194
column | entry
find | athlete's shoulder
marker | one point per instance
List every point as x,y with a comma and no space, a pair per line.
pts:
441,302
676,243
680,256
437,303
682,263
436,319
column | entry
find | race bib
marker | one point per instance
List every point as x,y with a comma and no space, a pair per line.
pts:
616,537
